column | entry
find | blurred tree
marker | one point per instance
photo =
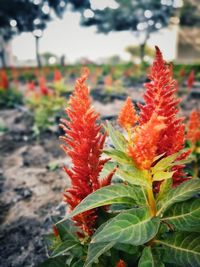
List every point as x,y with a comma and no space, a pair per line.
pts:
18,16
134,51
190,13
49,58
140,16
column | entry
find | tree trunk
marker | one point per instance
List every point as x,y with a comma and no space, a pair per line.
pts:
2,56
142,52
37,52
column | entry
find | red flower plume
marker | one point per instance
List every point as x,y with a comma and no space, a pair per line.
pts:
160,99
121,263
83,143
193,134
43,87
190,80
4,80
57,75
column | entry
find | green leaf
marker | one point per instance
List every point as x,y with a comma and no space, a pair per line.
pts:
119,156
108,195
134,227
64,247
184,216
165,187
161,175
96,250
182,249
148,259
134,176
127,248
164,163
117,138
184,191
66,230
54,262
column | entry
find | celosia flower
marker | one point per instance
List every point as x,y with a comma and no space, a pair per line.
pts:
57,76
83,143
4,80
127,116
31,86
190,80
121,263
145,142
193,134
42,85
160,99
182,73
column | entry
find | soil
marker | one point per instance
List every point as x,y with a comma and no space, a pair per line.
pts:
30,188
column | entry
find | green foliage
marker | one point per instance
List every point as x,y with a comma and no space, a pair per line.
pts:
45,109
10,98
181,193
119,193
134,226
182,249
184,216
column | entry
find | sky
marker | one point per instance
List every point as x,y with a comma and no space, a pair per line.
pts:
66,37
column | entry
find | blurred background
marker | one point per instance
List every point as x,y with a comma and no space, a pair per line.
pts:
48,32
43,46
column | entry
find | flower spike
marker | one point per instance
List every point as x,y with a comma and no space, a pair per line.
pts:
83,142
127,116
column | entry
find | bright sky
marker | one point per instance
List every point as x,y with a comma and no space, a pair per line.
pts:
67,37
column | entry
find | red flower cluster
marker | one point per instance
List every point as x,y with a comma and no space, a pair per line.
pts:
42,85
57,76
160,131
121,263
193,134
3,80
190,80
83,143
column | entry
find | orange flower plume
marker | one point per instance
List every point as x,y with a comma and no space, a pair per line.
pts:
3,80
83,143
127,116
160,99
145,142
193,134
191,79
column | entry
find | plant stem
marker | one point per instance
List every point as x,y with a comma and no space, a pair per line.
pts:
196,168
151,199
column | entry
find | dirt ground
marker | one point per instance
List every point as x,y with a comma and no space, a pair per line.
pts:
30,188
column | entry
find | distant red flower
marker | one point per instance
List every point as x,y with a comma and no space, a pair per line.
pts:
121,263
160,99
55,231
127,116
42,85
31,86
191,79
193,134
3,80
145,142
83,143
182,73
57,76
